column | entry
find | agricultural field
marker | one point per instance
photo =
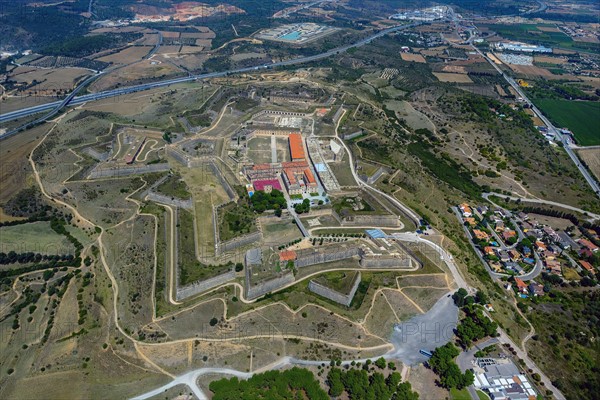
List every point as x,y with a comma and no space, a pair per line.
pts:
575,116
138,72
47,82
591,157
413,57
127,56
453,78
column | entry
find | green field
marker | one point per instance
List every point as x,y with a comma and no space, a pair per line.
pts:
462,394
36,237
578,116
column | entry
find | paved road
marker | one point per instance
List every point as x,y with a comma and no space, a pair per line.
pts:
537,269
410,213
55,107
592,215
495,275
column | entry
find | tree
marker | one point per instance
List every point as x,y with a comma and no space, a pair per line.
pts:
481,297
459,297
442,363
380,363
334,381
404,392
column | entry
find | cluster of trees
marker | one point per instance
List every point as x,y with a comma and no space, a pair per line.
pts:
559,90
82,46
443,364
303,207
58,226
262,201
27,203
462,298
359,385
474,326
25,258
295,383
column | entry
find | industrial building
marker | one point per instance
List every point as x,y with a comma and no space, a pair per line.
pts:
502,380
522,47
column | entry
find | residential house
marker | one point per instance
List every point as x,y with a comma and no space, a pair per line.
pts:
551,233
585,252
503,255
513,266
508,234
471,221
526,251
514,254
588,245
521,286
548,255
488,250
541,246
496,266
480,235
499,226
536,289
587,266
527,226
554,267
466,210
483,209
522,216
539,234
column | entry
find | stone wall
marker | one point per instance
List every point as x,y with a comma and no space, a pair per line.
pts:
376,176
96,154
127,170
306,258
161,198
223,247
262,288
217,171
328,293
202,286
390,221
386,262
351,136
178,155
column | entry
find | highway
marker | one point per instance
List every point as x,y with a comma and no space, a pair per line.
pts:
56,106
564,139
